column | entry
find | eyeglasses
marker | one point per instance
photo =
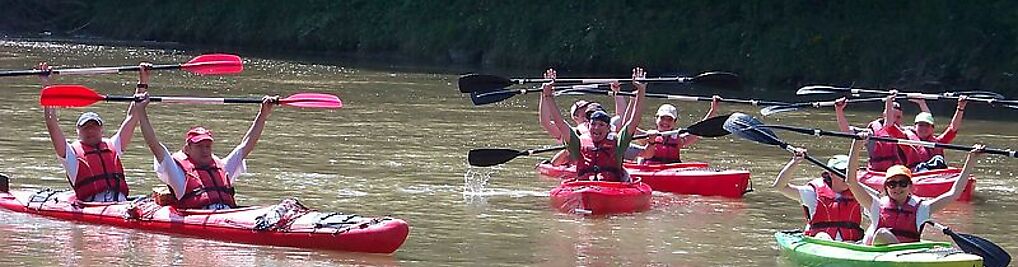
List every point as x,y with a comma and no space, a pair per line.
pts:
899,183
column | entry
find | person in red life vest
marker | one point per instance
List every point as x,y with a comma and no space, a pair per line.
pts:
579,112
667,149
597,155
92,162
923,130
830,209
897,216
881,155
197,178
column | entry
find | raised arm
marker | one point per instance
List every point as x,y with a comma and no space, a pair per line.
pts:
56,135
255,132
126,131
863,194
149,133
839,113
551,109
958,114
690,139
621,105
545,118
786,189
940,202
635,114
923,107
889,118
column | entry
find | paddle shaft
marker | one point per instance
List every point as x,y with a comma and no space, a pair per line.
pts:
186,100
602,80
96,70
949,96
560,147
819,132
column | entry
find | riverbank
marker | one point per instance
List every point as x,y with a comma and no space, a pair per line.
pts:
932,45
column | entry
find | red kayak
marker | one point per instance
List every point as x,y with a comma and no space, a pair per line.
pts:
287,224
688,178
931,183
597,198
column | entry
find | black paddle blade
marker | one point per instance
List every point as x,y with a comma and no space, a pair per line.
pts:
473,82
485,157
771,110
485,97
744,126
711,127
992,254
718,79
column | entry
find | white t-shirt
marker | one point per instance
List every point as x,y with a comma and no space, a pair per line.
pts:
70,163
922,214
808,199
171,173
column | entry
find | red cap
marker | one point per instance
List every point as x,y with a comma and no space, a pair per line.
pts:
198,134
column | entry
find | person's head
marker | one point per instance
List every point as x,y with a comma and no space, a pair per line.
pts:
198,145
898,182
839,163
600,125
896,112
90,128
578,111
666,115
924,124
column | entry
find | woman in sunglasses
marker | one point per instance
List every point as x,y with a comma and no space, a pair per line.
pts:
897,216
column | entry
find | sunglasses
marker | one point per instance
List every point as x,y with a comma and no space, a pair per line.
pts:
899,183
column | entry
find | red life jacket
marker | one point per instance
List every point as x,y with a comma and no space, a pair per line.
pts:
667,149
834,214
204,185
912,155
597,161
99,170
901,220
883,155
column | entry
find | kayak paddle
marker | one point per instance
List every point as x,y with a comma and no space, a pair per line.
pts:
993,255
820,132
690,98
747,127
488,97
81,96
474,82
767,111
210,64
484,157
974,96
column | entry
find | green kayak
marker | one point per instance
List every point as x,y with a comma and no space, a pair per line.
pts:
808,251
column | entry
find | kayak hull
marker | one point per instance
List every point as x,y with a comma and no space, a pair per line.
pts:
599,198
301,228
808,251
928,184
693,178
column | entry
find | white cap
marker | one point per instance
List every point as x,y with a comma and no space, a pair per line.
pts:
667,110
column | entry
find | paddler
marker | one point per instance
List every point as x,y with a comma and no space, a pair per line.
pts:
197,178
92,162
881,155
897,215
666,149
921,158
830,209
597,155
579,112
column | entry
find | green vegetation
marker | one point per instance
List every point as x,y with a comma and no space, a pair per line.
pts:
935,44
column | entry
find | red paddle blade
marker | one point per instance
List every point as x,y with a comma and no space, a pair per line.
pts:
312,100
214,64
68,96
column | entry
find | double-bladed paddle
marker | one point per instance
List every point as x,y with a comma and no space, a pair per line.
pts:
488,97
993,255
484,157
210,64
474,82
747,127
81,96
991,98
690,98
